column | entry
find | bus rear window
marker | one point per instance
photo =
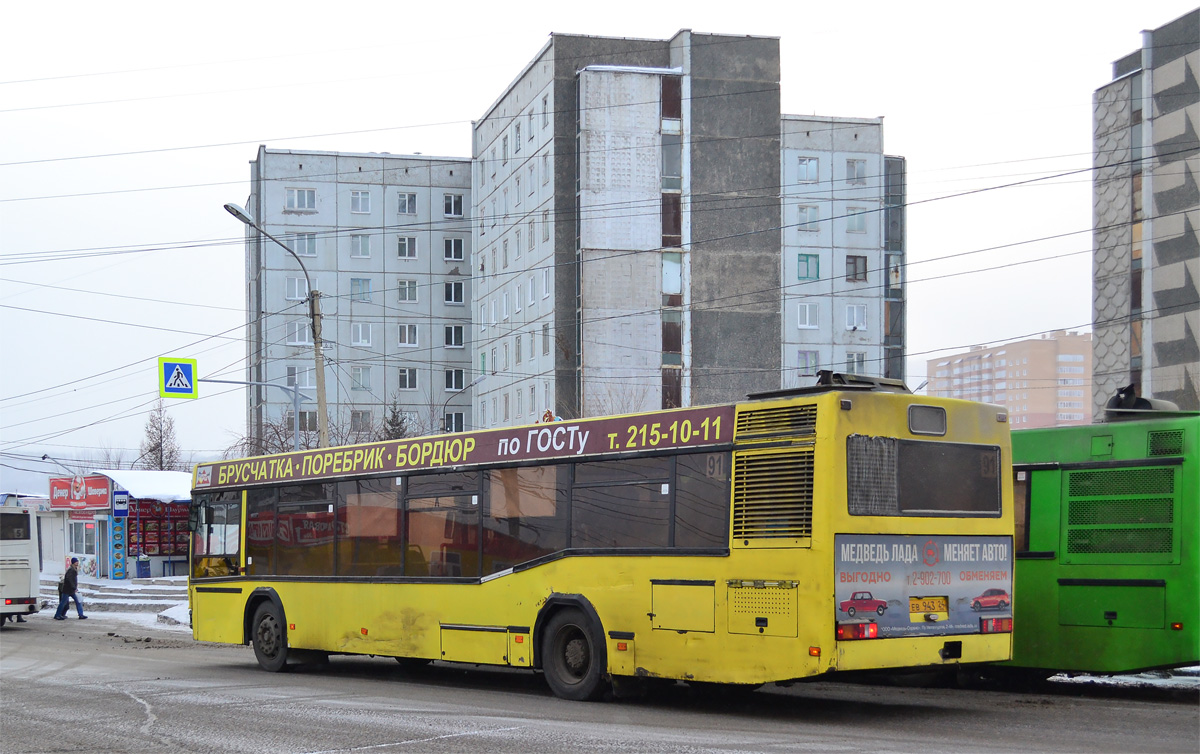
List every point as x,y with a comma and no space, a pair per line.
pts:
890,477
14,526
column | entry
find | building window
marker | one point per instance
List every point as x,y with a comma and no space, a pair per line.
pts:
360,378
301,377
504,305
455,379
504,254
360,289
301,199
856,316
806,316
532,289
672,220
520,403
407,379
517,349
517,244
452,205
298,333
360,421
808,266
856,268
406,247
408,335
545,282
360,245
455,421
304,244
545,338
856,171
407,203
672,162
532,176
408,291
517,298
308,421
856,220
532,399
360,333
454,293
856,362
531,235
517,190
297,289
481,420
504,351
808,170
545,169
809,217
453,249
360,202
506,407
454,336
504,150
806,363
545,109
545,225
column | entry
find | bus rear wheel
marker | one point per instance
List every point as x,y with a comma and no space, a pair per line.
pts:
270,641
572,657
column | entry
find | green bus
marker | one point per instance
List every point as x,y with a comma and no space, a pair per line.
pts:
1107,573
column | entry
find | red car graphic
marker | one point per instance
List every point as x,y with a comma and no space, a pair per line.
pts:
997,598
862,601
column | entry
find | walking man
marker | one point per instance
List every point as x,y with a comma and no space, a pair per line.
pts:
70,590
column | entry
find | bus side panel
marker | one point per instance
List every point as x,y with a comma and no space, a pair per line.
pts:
217,616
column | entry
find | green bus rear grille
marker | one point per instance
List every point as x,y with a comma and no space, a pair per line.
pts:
773,494
1104,483
780,421
1165,443
1121,511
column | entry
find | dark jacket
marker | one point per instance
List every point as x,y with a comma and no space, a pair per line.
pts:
70,581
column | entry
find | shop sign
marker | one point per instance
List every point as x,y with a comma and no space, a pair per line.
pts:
80,493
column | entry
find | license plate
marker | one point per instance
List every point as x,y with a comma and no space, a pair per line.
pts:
928,605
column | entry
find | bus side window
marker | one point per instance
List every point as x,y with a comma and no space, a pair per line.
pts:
1021,497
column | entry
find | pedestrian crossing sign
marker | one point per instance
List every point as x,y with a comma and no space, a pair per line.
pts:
177,378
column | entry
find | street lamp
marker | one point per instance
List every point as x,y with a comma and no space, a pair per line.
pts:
314,313
446,405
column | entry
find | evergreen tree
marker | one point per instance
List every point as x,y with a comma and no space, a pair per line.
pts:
159,448
394,424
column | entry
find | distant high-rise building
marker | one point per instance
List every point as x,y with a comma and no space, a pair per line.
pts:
1044,382
386,240
1146,235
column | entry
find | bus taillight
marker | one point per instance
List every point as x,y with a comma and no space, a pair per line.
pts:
852,631
995,625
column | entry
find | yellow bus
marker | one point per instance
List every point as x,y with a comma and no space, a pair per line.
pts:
843,527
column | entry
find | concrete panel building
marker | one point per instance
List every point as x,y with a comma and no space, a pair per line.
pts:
630,231
386,239
1044,382
1146,220
843,241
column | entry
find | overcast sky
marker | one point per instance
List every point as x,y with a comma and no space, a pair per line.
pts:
125,126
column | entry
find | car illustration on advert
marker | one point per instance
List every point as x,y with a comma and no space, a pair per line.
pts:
862,602
991,598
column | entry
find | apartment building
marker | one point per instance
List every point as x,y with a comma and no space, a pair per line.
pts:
843,240
1043,382
386,240
1146,223
630,237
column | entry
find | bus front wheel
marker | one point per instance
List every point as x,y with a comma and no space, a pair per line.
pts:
572,657
270,642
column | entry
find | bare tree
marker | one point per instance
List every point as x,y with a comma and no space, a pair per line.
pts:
159,448
108,456
279,435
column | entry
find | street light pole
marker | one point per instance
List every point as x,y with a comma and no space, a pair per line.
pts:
446,405
314,313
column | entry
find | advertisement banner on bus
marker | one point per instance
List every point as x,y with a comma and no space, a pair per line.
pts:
679,428
913,585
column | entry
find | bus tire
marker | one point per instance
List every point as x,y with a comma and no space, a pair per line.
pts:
572,657
269,637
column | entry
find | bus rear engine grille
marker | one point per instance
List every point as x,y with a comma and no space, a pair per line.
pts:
773,494
780,421
1165,443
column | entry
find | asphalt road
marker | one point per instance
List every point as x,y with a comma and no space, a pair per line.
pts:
107,686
